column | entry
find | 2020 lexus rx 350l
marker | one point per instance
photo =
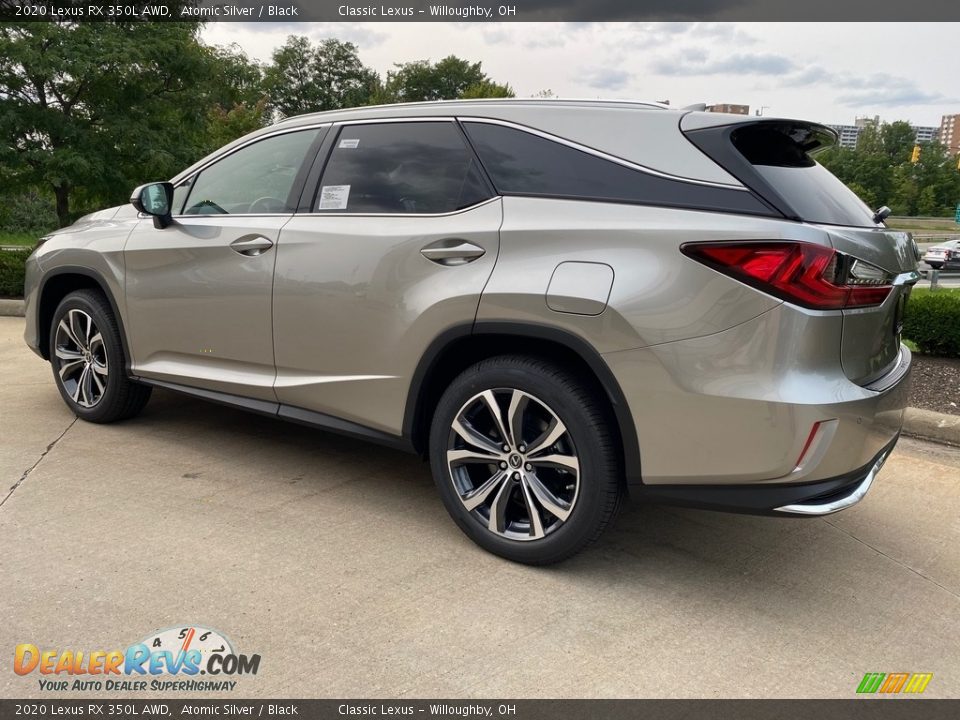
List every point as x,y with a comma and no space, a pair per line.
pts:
558,303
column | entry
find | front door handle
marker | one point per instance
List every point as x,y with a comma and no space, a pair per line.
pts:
452,251
251,245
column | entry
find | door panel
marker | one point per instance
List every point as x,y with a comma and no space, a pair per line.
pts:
356,303
198,308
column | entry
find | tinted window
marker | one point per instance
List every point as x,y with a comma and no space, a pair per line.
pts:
400,168
780,154
521,163
255,179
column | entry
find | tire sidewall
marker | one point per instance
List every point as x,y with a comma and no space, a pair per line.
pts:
112,348
597,469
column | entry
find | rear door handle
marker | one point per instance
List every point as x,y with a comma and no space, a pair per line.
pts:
452,251
251,245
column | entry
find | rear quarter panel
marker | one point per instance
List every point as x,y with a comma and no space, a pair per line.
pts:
658,294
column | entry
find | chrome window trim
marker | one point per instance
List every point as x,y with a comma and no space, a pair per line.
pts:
401,215
599,153
378,121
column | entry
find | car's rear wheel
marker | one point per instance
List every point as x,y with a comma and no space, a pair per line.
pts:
88,361
525,459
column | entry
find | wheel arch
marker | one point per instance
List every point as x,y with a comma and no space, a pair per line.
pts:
59,283
459,347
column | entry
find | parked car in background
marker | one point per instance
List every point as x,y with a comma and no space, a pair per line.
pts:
558,303
945,256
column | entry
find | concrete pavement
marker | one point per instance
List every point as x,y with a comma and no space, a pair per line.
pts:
336,562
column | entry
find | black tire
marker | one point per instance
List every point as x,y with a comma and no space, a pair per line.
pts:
590,438
119,398
935,266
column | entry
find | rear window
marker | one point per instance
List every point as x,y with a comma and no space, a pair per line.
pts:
521,163
780,154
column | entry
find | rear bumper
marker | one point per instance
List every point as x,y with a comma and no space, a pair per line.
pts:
763,404
822,497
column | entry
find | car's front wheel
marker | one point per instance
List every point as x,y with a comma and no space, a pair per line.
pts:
525,459
88,360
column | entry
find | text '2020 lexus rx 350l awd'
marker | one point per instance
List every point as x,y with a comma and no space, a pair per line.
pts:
557,302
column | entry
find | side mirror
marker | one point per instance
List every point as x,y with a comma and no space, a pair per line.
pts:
155,199
881,214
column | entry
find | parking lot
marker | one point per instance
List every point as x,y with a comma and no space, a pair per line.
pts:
336,562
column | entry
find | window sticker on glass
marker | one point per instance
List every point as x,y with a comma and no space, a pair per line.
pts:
349,143
334,197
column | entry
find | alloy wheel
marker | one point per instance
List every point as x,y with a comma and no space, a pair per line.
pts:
513,464
81,358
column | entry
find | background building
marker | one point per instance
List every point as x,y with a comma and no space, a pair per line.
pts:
950,132
850,134
926,133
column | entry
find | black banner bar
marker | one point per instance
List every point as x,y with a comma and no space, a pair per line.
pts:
853,709
482,11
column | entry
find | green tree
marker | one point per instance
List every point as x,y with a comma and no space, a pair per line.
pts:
88,108
880,172
304,77
235,97
449,79
487,89
898,139
931,186
225,125
864,194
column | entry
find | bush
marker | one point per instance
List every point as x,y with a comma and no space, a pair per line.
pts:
12,268
932,321
29,212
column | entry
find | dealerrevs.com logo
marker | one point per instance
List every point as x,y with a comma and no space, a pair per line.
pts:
168,660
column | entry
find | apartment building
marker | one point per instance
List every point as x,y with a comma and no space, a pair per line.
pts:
950,133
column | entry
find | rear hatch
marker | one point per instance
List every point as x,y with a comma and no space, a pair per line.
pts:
775,159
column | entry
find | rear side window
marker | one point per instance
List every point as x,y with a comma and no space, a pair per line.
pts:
522,163
780,154
256,179
415,167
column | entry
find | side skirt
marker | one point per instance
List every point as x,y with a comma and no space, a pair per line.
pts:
300,416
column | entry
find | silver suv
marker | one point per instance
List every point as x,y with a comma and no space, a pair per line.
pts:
558,303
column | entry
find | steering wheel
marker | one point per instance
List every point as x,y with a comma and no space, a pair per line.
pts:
267,204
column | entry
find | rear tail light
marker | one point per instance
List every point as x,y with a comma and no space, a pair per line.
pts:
809,275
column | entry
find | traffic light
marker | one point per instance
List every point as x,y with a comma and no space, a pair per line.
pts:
915,158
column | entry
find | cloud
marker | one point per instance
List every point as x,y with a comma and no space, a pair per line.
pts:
544,41
606,78
810,75
883,90
360,34
497,36
876,89
728,32
696,62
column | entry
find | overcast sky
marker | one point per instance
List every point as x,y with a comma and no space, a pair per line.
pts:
828,72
